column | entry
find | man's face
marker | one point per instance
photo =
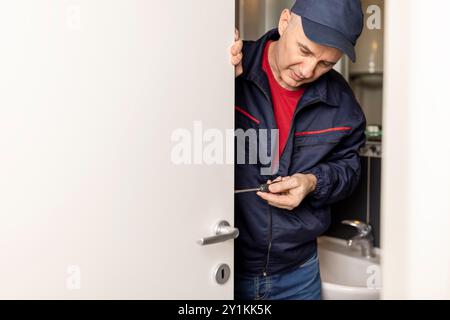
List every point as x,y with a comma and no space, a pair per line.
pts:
299,60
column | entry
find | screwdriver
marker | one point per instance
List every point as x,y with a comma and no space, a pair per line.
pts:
262,188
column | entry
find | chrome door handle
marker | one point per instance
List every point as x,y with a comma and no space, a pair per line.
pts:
224,232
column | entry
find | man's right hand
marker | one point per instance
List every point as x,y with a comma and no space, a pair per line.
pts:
236,54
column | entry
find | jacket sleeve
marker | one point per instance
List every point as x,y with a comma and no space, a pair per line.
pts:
339,173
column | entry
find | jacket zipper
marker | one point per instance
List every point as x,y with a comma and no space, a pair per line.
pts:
266,267
269,247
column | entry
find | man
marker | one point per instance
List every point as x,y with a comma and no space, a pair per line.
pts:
287,83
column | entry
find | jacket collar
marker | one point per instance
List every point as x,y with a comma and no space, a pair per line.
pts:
252,64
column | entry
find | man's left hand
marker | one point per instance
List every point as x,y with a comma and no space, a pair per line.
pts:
289,192
236,54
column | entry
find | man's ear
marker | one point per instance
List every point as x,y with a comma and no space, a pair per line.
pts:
284,21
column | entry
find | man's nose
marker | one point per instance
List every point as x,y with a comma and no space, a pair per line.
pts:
307,70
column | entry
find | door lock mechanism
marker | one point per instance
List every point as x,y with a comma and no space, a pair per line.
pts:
222,273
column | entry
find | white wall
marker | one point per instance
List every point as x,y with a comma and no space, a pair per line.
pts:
273,11
256,17
416,171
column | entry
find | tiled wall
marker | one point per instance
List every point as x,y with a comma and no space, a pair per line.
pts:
363,204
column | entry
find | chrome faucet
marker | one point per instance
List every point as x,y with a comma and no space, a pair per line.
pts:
364,238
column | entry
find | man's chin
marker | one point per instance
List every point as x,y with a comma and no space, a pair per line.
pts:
295,84
303,82
293,81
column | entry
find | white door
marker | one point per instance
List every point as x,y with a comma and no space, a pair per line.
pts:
92,92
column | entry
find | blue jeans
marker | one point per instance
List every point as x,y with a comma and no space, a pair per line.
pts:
303,283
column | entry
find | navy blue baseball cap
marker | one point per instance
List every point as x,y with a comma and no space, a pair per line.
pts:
332,23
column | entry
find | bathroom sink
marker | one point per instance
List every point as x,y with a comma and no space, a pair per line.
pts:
346,275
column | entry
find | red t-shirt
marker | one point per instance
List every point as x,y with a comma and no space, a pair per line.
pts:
284,102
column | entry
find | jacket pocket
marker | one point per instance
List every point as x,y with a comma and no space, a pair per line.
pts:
245,120
323,131
310,150
318,137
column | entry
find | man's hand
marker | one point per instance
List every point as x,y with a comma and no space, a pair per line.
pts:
236,54
290,191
